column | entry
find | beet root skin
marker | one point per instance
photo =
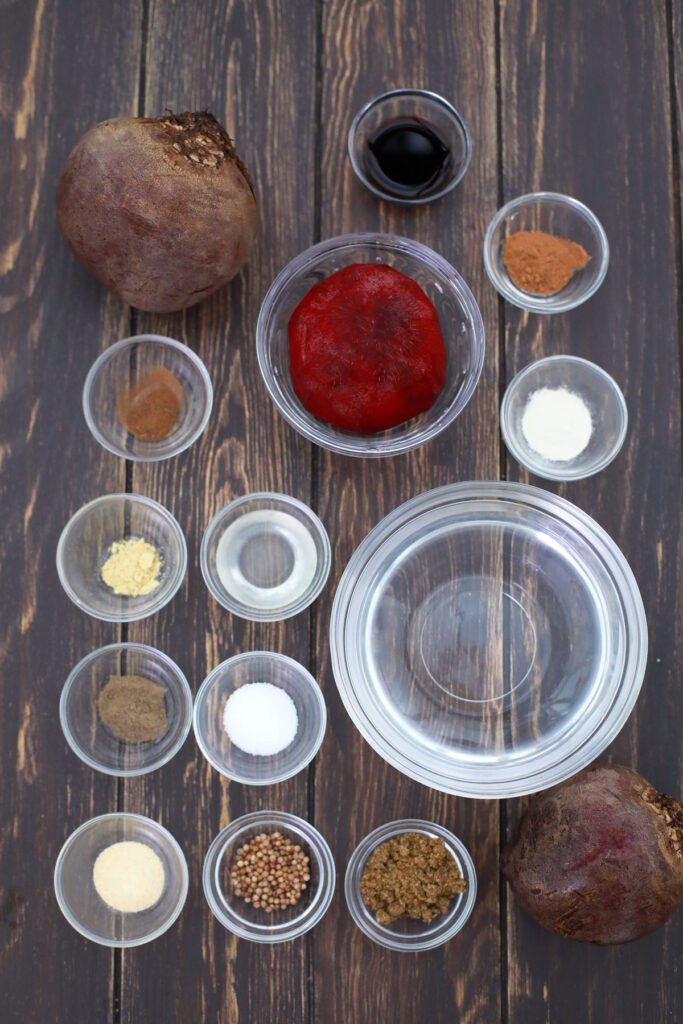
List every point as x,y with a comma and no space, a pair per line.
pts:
600,857
160,210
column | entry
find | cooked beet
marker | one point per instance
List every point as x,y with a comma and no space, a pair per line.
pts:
160,210
599,858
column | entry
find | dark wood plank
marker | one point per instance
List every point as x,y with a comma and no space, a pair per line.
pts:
245,64
585,110
55,319
369,48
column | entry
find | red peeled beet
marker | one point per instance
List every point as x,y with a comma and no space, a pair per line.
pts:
600,857
366,349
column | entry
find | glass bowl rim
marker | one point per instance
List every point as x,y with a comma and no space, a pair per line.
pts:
269,615
522,457
357,445
184,688
319,847
167,838
487,785
164,342
423,94
384,936
204,689
534,304
175,530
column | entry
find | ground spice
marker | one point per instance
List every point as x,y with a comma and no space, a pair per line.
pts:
150,410
129,876
132,567
411,875
270,872
542,264
133,708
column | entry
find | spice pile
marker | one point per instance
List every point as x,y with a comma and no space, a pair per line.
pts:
133,708
129,876
557,424
132,567
411,875
151,409
270,872
260,719
542,264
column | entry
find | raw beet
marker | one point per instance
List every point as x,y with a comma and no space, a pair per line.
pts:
366,350
600,857
160,210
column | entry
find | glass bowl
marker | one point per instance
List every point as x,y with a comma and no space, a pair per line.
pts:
119,368
275,555
405,934
88,536
459,317
83,907
255,924
557,215
425,108
259,667
600,393
92,741
488,639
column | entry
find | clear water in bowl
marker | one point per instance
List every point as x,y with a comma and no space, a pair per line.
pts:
488,639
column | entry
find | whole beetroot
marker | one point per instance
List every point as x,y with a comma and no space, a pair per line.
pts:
599,858
160,210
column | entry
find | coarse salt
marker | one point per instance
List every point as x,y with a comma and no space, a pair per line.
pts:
260,719
557,424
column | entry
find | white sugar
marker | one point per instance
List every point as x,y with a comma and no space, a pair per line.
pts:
260,719
557,424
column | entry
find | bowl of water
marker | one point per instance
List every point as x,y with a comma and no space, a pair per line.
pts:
488,639
265,557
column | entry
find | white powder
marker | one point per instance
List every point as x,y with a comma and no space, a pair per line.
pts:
557,424
129,876
260,719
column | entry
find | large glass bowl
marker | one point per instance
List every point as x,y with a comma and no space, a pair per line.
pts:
459,317
488,639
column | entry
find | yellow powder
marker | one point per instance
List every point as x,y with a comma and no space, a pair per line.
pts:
132,567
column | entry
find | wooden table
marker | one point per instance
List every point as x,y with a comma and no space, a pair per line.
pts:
578,96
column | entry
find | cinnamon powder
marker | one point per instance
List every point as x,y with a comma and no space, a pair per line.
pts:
542,264
150,410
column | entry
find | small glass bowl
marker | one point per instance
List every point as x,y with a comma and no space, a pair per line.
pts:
557,215
83,907
88,536
421,106
598,390
250,922
459,318
259,667
121,366
277,551
405,934
92,741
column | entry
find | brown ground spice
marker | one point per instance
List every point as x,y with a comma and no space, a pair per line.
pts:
411,875
150,410
542,264
133,708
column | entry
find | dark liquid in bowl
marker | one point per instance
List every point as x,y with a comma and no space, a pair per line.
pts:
407,159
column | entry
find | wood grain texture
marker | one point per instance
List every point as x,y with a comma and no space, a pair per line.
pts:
569,127
245,65
54,321
580,96
369,48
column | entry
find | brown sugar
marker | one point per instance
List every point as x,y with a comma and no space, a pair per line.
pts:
542,264
150,410
133,708
411,875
